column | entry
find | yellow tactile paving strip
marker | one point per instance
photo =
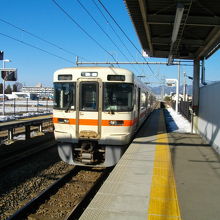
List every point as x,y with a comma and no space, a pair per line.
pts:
163,204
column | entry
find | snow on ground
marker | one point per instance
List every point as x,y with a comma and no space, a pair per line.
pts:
30,102
176,122
15,108
24,115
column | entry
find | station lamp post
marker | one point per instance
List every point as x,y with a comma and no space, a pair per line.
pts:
3,66
172,83
5,61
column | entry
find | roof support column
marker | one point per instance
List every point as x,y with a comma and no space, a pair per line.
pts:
195,98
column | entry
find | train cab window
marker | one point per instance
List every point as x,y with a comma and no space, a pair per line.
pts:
89,96
64,95
118,97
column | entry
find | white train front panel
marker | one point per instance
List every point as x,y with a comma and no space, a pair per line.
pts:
96,112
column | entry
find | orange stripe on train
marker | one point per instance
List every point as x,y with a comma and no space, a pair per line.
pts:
94,122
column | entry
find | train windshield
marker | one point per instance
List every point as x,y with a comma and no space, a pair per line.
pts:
64,95
118,97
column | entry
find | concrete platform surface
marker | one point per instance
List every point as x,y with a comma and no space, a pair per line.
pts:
161,176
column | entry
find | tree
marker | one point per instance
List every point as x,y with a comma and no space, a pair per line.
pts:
19,86
1,88
167,99
14,88
8,90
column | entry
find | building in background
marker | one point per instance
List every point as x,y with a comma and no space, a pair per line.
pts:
22,95
42,92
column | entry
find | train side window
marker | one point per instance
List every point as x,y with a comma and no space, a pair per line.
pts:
134,95
143,100
146,101
89,96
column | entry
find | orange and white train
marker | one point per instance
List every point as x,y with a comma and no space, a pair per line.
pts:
97,110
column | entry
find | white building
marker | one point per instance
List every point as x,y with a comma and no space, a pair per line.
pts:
39,90
22,95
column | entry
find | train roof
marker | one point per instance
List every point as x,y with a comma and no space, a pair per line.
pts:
96,68
105,71
100,72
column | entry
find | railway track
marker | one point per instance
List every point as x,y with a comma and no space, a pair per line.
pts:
66,198
25,153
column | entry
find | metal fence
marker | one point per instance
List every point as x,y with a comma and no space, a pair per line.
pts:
184,109
19,106
173,105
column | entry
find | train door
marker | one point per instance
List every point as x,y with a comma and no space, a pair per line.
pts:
88,108
138,107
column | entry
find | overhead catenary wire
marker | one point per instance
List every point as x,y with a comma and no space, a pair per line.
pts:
82,29
113,29
103,6
96,22
116,34
38,48
39,38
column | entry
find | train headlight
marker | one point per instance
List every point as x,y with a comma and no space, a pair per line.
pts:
116,123
63,120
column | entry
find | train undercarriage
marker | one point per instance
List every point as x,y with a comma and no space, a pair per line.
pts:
90,153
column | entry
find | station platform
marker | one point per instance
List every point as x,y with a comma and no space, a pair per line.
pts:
23,121
161,176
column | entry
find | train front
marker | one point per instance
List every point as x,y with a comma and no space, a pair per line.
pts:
93,114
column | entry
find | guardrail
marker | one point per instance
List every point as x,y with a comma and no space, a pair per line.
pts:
26,123
18,106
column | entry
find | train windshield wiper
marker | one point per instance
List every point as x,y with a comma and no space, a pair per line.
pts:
68,106
109,103
69,103
111,111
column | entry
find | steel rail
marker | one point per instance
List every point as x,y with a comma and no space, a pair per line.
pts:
84,202
24,154
37,201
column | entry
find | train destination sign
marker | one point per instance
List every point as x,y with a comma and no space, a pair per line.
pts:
9,74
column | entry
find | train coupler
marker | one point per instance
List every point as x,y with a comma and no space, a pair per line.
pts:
90,152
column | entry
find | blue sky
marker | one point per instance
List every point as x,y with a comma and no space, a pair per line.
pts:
44,19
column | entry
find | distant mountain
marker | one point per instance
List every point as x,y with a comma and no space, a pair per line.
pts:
168,90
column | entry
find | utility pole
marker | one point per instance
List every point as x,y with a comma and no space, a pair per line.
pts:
178,89
163,88
3,99
184,86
